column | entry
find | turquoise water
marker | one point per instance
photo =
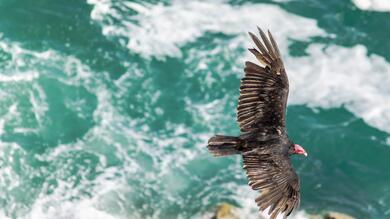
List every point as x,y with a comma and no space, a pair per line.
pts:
106,106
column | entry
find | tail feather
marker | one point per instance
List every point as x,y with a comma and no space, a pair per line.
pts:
220,145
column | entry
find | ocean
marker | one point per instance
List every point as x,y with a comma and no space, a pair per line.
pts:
106,106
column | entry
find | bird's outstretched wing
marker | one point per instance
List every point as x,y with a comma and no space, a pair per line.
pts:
275,178
263,91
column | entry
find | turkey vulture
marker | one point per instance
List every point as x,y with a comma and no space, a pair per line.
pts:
263,142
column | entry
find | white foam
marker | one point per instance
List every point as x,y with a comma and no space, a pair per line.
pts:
159,30
373,5
14,63
328,77
28,76
58,205
333,76
65,210
38,102
115,132
2,215
61,203
12,113
112,133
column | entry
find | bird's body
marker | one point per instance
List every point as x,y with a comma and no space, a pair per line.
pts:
263,142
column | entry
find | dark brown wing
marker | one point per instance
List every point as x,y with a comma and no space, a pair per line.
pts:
275,178
264,91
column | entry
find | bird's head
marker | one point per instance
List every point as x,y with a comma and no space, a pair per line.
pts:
297,149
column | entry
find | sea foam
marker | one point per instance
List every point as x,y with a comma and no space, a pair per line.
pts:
152,33
61,202
114,135
330,76
335,76
159,30
327,76
373,5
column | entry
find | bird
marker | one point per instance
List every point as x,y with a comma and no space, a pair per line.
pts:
263,142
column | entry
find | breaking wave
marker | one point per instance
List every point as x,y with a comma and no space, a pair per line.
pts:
161,30
122,154
317,78
372,5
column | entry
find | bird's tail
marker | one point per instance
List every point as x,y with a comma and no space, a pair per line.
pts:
220,145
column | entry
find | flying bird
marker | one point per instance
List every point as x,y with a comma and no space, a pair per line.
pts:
263,141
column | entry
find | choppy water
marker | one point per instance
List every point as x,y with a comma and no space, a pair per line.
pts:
106,106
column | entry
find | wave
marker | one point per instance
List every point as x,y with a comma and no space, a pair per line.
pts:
160,30
116,190
60,196
325,76
328,76
334,76
372,5
129,157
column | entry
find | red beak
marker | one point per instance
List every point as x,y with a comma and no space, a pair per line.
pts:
299,150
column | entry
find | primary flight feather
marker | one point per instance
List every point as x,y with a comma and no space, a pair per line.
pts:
263,142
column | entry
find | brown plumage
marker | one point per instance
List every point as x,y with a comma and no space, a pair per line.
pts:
263,143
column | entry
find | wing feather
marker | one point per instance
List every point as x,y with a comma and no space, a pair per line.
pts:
267,44
274,44
278,183
266,58
263,90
